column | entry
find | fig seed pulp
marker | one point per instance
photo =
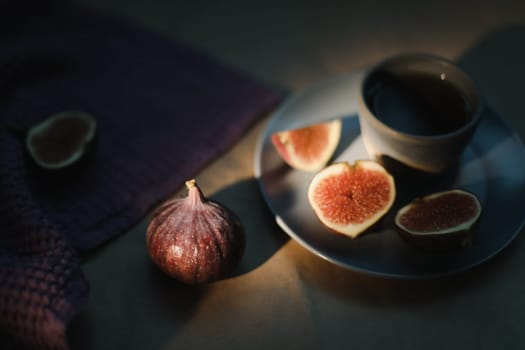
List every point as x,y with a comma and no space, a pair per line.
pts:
439,221
350,198
308,148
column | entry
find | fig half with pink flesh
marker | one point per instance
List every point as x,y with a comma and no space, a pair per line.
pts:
442,220
349,198
308,148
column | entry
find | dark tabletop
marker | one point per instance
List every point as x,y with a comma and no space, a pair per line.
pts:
283,296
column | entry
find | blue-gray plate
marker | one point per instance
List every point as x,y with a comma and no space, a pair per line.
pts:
492,167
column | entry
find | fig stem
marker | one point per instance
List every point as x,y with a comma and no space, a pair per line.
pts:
194,192
190,183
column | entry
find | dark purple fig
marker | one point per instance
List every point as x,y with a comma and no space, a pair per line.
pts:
61,140
440,221
195,240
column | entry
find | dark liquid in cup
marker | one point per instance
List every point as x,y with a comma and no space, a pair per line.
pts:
418,103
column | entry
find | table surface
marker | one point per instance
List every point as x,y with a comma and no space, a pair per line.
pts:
283,296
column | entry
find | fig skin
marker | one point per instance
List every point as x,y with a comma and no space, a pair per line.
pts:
195,240
349,207
61,140
448,238
309,148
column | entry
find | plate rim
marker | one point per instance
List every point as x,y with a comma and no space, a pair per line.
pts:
263,140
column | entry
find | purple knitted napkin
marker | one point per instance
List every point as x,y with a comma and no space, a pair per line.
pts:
164,110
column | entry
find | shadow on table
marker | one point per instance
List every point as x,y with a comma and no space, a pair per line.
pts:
263,237
129,289
399,293
497,64
132,299
164,309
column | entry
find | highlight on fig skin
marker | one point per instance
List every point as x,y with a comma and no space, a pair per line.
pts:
308,148
195,240
350,198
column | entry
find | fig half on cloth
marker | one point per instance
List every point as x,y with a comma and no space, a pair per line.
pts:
61,140
349,198
441,220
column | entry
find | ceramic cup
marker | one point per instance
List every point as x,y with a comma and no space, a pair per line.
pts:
419,110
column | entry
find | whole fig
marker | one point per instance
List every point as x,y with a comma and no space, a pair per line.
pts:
195,240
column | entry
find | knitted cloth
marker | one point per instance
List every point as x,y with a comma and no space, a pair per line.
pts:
163,111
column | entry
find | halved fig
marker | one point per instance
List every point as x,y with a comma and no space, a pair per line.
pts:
61,139
442,220
309,148
349,198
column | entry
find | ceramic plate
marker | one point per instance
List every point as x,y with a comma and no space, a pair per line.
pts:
492,167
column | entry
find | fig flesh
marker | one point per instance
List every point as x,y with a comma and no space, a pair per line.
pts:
195,240
349,198
442,220
61,140
308,148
